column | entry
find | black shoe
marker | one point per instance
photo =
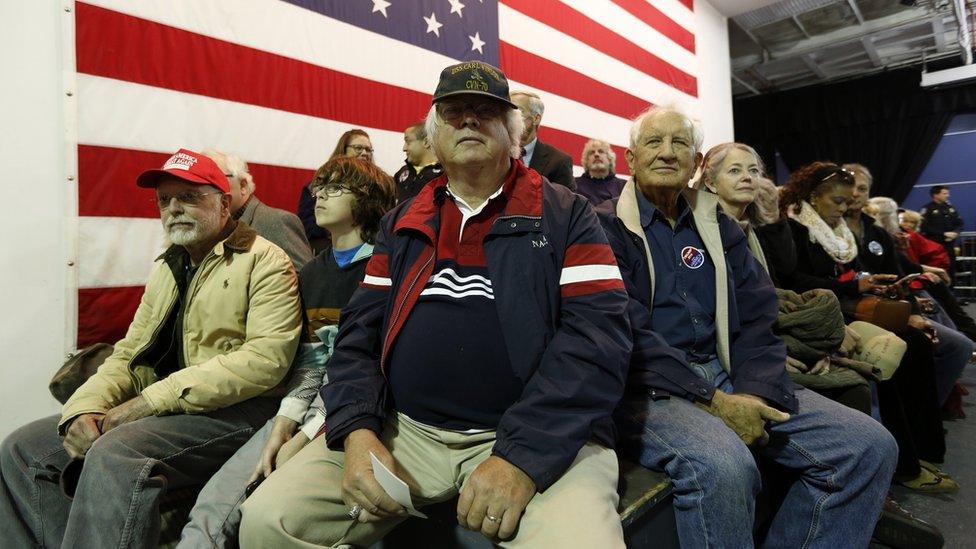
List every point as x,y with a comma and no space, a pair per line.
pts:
899,528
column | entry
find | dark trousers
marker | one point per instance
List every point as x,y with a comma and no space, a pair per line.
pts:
125,474
909,407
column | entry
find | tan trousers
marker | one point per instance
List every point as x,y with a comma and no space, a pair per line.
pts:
300,504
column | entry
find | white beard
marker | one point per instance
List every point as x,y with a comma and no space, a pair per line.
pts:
201,229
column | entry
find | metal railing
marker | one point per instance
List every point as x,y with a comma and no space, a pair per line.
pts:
965,281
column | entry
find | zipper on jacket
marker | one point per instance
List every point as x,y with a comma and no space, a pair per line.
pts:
180,321
155,335
403,303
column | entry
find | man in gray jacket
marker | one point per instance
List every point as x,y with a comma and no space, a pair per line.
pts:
280,227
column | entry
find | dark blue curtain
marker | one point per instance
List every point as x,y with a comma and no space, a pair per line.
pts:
887,122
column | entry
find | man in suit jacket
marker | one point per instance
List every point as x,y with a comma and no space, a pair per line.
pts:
552,163
280,227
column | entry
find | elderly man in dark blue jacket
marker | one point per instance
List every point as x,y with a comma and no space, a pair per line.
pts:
707,387
483,356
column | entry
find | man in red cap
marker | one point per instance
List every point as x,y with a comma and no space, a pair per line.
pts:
217,328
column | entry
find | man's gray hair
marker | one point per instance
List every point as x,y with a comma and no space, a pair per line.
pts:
697,134
235,166
536,106
514,125
594,143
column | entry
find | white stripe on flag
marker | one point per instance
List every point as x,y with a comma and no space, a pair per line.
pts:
168,120
117,251
588,273
619,20
377,281
678,12
524,32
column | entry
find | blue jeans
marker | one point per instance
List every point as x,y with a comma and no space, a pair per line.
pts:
844,460
126,472
952,354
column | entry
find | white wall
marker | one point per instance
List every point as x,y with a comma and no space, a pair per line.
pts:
35,195
714,74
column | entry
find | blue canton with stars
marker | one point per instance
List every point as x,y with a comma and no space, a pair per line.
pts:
462,29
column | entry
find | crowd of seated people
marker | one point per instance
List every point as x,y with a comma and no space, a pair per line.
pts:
494,333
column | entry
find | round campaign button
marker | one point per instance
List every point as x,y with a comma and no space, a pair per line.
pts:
404,175
875,247
692,257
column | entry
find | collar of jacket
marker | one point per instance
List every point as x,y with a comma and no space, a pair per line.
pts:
247,212
240,240
705,210
522,192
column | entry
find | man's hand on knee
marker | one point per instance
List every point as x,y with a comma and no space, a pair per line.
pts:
81,433
130,410
494,497
359,485
746,415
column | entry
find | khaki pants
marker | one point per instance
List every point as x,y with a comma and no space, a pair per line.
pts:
300,504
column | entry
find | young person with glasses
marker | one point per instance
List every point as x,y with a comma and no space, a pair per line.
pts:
350,198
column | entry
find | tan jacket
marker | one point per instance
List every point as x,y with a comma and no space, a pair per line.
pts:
240,332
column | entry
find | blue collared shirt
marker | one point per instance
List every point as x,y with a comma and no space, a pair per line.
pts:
684,275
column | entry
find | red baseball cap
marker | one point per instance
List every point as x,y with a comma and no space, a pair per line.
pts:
189,166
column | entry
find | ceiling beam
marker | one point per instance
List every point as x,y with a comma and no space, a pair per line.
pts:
868,43
857,11
902,20
799,25
744,85
938,29
815,67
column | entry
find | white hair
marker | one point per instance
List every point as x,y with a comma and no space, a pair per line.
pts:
697,134
885,214
594,143
234,165
514,125
536,106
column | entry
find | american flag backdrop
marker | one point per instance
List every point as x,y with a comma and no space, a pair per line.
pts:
277,82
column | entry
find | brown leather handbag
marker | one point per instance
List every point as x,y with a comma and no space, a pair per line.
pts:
890,314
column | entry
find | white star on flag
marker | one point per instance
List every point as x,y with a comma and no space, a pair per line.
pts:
432,24
477,43
380,6
456,7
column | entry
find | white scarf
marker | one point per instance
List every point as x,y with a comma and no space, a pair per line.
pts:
838,242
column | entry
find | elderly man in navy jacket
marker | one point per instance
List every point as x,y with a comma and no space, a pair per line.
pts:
707,386
483,356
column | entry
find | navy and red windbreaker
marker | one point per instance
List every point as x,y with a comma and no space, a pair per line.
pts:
561,303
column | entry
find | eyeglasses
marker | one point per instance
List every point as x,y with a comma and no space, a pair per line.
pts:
186,199
835,172
360,149
452,111
329,191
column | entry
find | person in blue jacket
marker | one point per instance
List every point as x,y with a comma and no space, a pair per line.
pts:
482,357
707,389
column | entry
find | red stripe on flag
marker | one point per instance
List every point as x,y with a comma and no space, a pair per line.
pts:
690,4
590,287
115,45
573,23
107,175
104,314
656,19
572,144
538,72
589,254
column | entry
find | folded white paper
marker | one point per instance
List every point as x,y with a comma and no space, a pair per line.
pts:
396,488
